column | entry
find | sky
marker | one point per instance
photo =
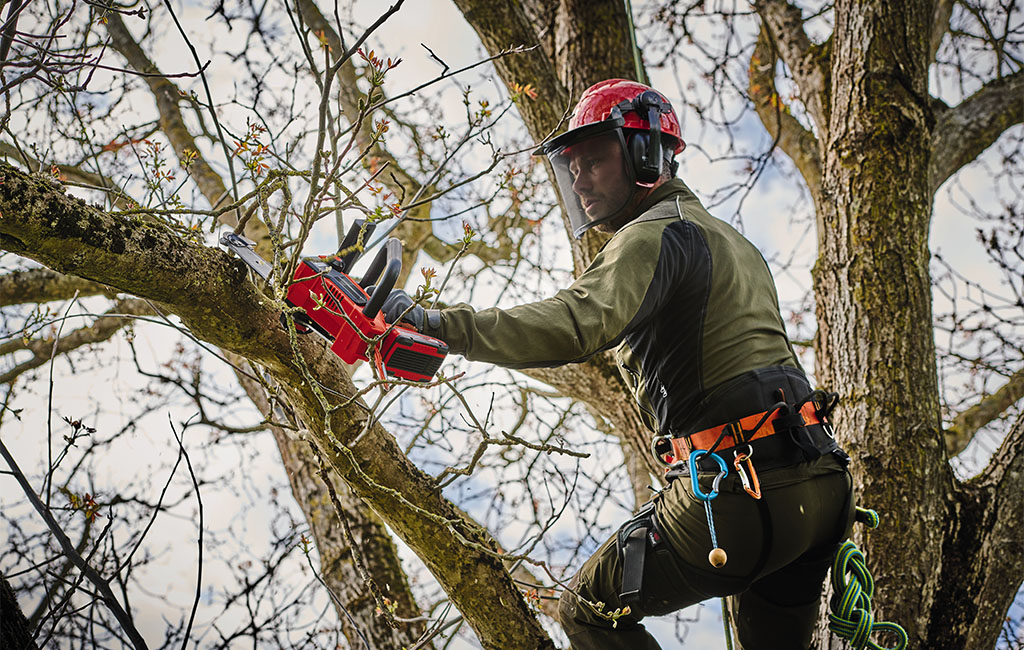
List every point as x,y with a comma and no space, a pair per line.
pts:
109,398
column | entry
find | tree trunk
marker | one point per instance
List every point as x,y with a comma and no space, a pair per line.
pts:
875,340
355,605
15,633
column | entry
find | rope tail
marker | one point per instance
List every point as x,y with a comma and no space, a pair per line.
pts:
851,617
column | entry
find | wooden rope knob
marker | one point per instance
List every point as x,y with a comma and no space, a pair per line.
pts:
717,558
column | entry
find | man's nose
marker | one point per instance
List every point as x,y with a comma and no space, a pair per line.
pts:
581,183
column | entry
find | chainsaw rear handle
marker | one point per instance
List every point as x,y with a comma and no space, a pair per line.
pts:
383,272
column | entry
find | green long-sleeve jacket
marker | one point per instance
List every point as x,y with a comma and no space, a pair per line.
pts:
689,302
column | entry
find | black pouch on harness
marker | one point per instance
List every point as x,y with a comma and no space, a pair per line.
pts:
633,539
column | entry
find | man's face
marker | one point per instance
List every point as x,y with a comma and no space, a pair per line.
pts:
598,168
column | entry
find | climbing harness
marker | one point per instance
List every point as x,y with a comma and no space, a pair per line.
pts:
807,436
717,557
631,541
851,617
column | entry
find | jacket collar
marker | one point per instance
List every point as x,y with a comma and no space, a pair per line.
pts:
662,192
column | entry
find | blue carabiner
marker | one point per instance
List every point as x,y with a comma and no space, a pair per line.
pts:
724,471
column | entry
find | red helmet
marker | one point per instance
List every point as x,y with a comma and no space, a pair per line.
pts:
597,102
623,126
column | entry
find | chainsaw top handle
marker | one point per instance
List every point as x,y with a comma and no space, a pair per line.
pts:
383,272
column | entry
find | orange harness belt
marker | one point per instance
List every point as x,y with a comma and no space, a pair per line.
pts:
738,432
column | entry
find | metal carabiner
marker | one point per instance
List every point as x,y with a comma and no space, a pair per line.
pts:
654,450
738,459
723,472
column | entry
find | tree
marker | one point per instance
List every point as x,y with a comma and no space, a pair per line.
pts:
870,144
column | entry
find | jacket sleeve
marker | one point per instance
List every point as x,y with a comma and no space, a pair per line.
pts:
613,296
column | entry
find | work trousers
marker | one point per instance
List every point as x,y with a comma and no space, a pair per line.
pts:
779,551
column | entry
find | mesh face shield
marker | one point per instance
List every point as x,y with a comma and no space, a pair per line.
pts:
591,173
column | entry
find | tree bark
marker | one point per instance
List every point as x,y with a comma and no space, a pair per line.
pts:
941,543
15,633
357,609
874,297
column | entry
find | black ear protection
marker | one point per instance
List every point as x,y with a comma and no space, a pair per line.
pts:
638,145
645,149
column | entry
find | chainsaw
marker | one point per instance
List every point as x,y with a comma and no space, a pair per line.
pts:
324,290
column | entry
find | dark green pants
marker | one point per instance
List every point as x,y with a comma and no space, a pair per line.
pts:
779,548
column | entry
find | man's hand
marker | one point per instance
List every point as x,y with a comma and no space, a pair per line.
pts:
398,303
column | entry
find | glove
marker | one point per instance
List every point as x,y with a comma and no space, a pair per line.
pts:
396,304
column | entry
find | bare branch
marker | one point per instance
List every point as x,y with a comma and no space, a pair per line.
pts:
43,285
967,423
940,25
805,60
101,584
962,132
101,330
172,123
789,135
213,297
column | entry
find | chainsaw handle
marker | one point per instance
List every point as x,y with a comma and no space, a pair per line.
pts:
383,271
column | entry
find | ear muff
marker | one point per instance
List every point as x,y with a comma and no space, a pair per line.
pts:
645,170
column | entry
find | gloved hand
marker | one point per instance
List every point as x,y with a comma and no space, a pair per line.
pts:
397,302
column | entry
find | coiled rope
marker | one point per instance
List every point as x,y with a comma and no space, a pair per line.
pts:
851,616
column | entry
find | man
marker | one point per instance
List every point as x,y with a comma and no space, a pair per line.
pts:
691,310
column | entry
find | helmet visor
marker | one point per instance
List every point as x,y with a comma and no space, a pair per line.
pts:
592,177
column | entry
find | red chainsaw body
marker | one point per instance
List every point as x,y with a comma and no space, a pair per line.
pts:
324,293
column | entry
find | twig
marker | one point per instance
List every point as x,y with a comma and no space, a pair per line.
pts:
90,573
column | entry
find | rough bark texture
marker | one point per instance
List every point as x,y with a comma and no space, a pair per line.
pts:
212,295
15,633
874,334
373,544
945,564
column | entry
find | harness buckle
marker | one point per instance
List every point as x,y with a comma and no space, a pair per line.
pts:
632,542
659,451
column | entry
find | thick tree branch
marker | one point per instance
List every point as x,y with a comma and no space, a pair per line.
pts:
807,62
73,173
788,134
940,25
962,132
372,544
501,24
984,538
42,350
966,424
212,295
172,124
42,286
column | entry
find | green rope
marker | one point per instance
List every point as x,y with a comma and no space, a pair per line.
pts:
851,616
641,76
725,622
